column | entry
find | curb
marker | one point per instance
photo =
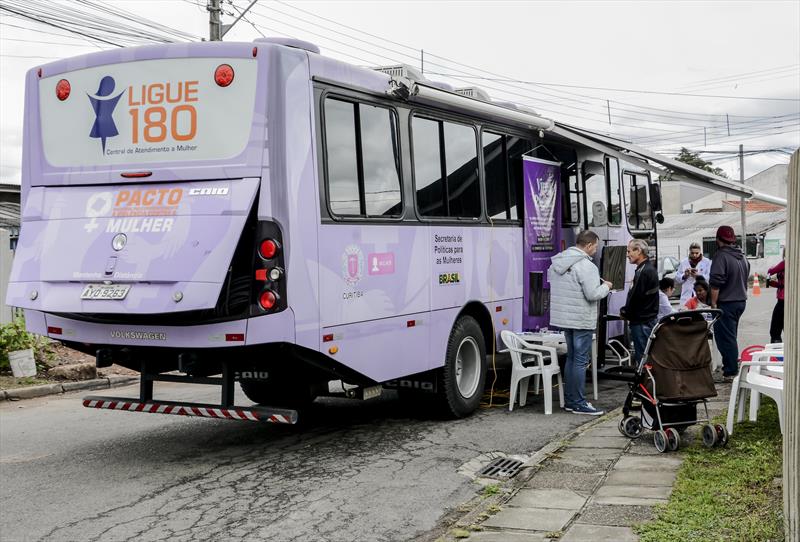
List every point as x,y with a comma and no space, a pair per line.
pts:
55,389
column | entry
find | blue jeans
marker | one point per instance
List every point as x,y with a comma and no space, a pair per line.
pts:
579,348
640,333
725,331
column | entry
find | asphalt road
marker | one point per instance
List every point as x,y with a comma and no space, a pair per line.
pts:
366,471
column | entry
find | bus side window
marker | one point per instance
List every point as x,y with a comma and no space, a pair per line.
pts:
615,204
596,200
637,201
445,169
571,202
495,173
362,160
516,148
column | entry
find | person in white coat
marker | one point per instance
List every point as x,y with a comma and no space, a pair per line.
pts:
575,289
695,265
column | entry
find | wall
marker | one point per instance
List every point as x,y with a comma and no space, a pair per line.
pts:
6,255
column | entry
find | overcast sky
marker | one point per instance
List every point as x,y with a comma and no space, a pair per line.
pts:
587,59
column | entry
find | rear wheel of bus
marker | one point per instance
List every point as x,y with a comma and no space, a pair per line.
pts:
464,373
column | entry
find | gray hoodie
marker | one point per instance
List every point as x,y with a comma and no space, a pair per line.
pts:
575,289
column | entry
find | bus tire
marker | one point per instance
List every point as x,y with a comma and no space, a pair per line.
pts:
279,394
464,373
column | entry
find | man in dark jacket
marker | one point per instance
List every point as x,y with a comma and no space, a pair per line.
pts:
641,307
729,272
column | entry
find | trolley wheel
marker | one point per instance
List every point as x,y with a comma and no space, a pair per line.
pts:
673,439
722,435
660,440
631,427
709,435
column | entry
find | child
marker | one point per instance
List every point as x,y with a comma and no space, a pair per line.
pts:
666,287
700,298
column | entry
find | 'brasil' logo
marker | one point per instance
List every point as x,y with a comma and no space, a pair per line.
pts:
103,105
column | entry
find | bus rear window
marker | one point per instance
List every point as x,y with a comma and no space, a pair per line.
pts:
363,160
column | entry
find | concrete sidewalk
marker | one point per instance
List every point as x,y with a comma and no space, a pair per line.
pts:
592,488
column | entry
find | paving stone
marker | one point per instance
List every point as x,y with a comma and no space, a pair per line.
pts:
558,480
617,442
599,533
603,431
505,536
562,499
531,519
637,492
614,515
662,462
638,478
588,465
589,454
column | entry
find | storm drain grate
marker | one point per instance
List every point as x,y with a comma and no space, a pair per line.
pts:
502,467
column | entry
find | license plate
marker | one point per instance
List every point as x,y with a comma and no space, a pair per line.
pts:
105,291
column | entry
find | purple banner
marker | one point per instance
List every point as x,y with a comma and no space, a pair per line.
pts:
542,237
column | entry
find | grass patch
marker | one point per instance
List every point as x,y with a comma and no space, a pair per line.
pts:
9,382
727,493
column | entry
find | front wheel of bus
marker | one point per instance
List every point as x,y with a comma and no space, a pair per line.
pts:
464,372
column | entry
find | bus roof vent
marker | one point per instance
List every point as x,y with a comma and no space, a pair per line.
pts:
290,42
441,85
474,92
401,70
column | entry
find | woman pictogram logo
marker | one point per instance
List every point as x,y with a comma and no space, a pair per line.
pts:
103,105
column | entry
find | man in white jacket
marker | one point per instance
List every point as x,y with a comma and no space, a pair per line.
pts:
575,289
695,265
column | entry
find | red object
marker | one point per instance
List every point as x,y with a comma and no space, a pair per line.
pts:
726,233
255,51
267,299
223,75
498,308
54,330
63,89
411,323
327,338
261,274
268,249
234,337
136,174
747,353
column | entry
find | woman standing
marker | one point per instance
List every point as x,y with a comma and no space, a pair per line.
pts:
776,325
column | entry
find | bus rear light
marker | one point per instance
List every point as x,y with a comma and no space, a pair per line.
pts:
136,174
261,274
327,338
268,249
267,299
63,89
54,330
223,75
255,51
234,337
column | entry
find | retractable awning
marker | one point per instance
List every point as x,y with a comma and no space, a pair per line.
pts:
662,165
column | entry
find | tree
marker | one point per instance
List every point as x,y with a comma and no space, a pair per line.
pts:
693,159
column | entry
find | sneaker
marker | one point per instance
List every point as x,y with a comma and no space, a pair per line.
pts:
587,409
569,408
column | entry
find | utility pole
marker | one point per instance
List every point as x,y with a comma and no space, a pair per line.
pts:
791,437
214,20
743,201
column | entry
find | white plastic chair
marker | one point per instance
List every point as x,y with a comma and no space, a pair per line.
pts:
750,378
774,370
523,354
623,354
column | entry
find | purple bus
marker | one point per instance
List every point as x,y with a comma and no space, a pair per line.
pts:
215,213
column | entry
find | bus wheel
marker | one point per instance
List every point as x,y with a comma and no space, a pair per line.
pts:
279,393
464,372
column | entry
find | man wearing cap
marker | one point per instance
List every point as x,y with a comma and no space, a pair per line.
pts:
729,272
